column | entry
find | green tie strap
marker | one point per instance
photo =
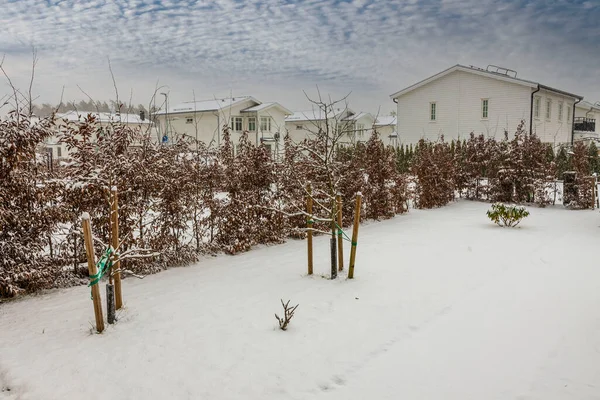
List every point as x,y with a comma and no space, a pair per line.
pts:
104,264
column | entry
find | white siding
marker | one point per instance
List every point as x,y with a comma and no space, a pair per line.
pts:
300,130
414,110
207,126
552,130
277,121
385,131
367,122
310,128
296,130
204,126
508,104
458,97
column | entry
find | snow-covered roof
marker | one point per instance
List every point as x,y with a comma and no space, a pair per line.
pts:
104,117
357,116
266,106
207,105
386,120
482,72
315,115
588,106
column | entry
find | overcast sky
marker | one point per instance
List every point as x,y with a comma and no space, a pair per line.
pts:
273,49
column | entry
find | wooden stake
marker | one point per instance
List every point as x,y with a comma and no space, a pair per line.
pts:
354,235
114,223
340,238
309,224
332,241
91,259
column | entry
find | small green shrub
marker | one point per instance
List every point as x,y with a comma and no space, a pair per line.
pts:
504,215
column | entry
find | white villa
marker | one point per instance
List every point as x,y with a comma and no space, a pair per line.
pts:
386,127
58,150
490,101
204,120
303,124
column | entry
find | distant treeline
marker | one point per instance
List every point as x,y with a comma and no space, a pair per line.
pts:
46,109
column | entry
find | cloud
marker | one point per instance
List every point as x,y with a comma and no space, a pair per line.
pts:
279,47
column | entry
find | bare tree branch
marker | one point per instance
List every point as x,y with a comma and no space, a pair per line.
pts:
114,83
33,64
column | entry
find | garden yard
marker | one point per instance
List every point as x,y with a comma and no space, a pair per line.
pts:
444,305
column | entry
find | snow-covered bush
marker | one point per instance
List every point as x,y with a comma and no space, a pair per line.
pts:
288,314
28,214
433,169
474,161
370,168
382,191
517,170
507,215
247,217
579,185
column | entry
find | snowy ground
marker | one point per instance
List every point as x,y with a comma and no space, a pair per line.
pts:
444,306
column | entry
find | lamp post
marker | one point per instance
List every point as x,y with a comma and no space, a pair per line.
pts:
166,114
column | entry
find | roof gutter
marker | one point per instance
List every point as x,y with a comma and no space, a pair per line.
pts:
531,109
551,89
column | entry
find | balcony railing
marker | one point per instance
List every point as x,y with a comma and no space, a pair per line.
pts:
583,124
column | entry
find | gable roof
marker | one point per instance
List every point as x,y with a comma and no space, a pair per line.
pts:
588,106
74,116
207,105
266,106
316,115
357,116
481,72
385,120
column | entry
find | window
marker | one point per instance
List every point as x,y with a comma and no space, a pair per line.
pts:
484,108
548,109
252,124
265,124
236,124
299,127
59,151
569,114
432,111
360,129
536,107
560,110
189,120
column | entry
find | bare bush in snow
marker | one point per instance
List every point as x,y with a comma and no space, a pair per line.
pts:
288,314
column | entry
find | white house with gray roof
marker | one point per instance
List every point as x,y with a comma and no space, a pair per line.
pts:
204,120
490,101
357,126
386,127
